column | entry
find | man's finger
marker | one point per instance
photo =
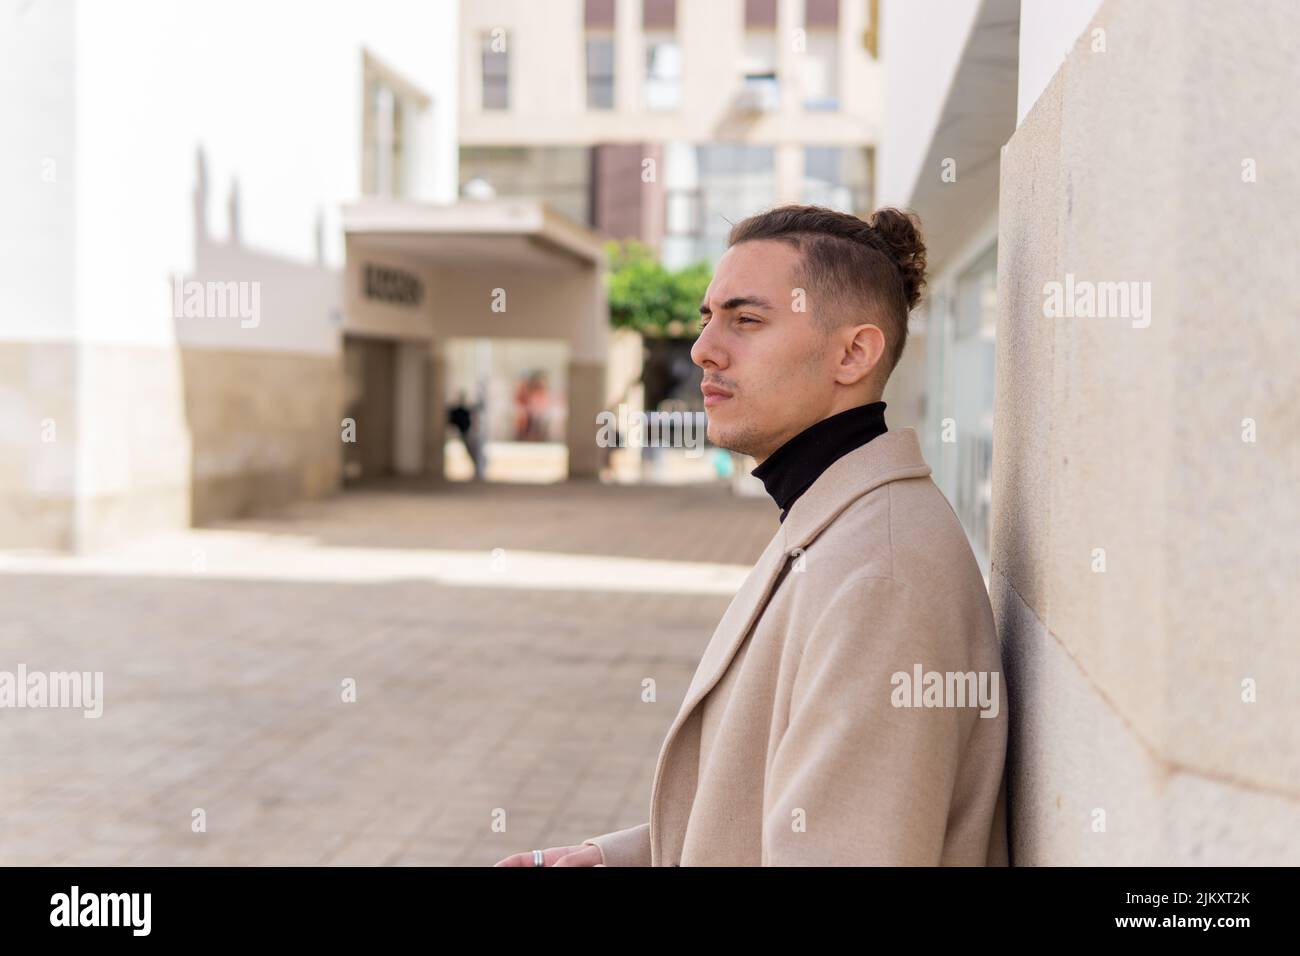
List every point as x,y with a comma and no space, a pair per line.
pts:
549,857
586,856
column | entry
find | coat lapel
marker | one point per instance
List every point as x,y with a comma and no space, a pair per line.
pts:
730,633
738,620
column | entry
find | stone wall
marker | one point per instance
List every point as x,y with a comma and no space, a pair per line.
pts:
1145,563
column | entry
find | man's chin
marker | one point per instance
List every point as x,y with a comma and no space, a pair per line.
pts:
732,439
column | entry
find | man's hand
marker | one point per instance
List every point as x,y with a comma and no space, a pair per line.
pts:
584,854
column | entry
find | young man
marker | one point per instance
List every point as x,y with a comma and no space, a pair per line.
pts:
849,709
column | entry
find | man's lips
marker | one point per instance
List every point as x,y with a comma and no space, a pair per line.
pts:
714,395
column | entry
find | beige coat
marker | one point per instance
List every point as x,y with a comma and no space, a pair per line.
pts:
792,745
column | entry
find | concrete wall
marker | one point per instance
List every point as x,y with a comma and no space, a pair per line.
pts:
265,429
38,438
1127,682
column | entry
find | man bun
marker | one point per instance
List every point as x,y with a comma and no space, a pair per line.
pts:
899,235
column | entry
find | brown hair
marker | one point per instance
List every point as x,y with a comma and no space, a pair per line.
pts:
877,267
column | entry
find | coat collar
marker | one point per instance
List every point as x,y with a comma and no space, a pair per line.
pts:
894,455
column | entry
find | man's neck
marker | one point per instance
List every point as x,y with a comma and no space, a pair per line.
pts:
790,470
838,406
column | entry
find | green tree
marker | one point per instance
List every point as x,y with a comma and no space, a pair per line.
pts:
650,299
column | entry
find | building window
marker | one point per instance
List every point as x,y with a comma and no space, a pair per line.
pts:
960,353
871,37
760,14
383,165
819,62
760,91
598,21
708,187
559,175
838,177
600,71
663,75
390,105
658,15
663,55
496,71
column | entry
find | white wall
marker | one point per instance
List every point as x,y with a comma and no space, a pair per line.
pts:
37,225
272,94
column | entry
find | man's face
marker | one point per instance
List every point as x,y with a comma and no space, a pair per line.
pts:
769,371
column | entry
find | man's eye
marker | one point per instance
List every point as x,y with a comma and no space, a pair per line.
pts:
739,318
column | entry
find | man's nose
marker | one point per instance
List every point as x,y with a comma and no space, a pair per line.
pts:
705,349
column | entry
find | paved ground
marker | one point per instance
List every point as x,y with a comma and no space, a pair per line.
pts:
498,637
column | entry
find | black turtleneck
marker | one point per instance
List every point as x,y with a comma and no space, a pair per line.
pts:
790,470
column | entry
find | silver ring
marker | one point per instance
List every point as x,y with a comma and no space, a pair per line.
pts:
538,860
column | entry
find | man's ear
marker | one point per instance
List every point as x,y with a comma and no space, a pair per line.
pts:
864,347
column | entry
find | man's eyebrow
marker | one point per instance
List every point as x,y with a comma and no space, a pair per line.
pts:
736,303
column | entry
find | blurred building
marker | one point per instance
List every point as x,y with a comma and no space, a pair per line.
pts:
667,122
664,120
233,258
1128,480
